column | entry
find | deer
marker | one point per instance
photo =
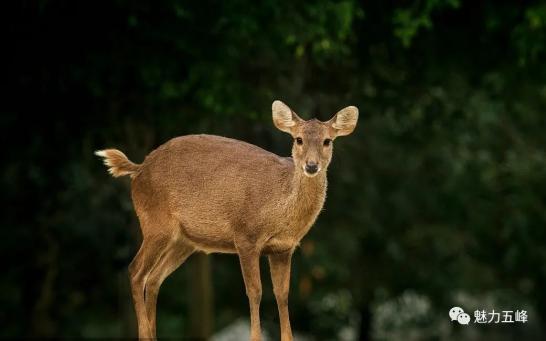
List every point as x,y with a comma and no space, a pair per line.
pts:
214,194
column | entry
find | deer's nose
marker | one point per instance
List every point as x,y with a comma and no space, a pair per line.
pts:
311,167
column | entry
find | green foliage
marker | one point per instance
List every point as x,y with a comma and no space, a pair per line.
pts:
409,20
529,33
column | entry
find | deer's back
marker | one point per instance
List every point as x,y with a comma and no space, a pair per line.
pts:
212,185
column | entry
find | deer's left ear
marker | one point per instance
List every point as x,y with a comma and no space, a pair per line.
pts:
344,122
284,118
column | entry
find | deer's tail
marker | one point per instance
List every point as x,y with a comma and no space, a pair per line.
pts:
118,164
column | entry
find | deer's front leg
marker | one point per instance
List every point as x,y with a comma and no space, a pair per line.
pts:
250,265
279,264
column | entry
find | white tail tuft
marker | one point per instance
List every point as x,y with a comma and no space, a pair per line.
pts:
118,164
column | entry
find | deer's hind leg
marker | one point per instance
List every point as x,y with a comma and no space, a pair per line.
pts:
156,240
176,254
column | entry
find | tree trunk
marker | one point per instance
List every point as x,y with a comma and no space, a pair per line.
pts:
201,299
365,330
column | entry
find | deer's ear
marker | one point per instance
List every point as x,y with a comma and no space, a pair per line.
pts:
283,117
344,122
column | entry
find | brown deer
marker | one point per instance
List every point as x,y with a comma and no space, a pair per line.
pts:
215,194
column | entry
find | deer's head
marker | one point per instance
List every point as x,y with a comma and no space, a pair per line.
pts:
313,139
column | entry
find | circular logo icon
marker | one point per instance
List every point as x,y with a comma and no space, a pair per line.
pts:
463,318
454,312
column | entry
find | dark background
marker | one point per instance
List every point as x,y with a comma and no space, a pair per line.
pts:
437,199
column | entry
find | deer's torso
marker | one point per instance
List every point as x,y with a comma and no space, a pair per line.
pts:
221,190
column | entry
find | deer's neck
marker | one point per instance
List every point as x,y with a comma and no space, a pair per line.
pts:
306,198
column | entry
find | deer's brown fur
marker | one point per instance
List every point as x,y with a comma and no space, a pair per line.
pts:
215,194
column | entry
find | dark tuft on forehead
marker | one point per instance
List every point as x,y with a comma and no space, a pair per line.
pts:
313,126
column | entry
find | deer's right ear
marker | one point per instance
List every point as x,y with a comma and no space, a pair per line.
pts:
344,122
283,117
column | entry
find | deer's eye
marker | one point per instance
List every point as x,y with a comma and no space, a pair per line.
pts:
299,141
327,142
